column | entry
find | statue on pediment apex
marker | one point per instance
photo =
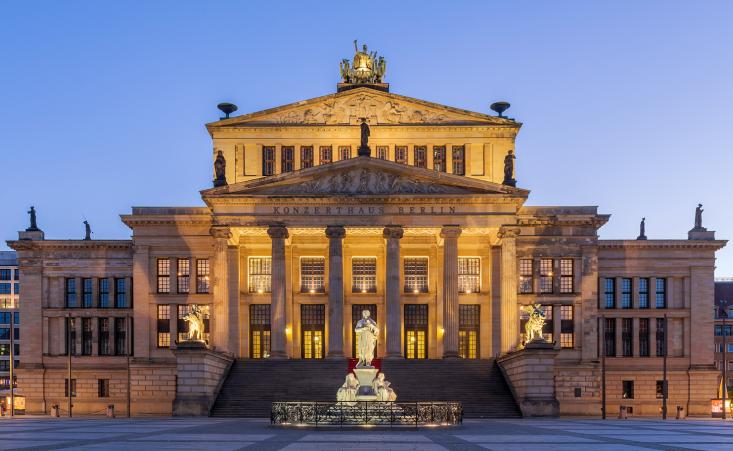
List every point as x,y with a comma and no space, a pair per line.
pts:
366,67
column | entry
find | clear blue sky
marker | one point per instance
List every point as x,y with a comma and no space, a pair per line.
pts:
625,105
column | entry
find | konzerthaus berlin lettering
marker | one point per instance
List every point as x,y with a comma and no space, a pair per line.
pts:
365,199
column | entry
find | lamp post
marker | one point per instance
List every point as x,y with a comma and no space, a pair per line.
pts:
722,304
602,331
69,347
12,364
664,369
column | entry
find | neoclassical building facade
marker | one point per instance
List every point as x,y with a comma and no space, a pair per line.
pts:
427,231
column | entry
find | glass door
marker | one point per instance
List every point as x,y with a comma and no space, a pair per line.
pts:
416,331
312,327
259,331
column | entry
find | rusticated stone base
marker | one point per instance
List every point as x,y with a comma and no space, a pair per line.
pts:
530,374
201,372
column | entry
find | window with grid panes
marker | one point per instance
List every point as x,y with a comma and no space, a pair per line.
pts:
70,336
546,275
120,336
420,154
469,274
312,321
184,275
306,157
416,329
469,320
164,326
416,274
644,337
164,275
609,342
526,275
400,154
86,293
202,275
325,154
626,292
268,160
86,336
567,276
459,160
105,347
609,292
103,388
661,338
439,158
627,337
259,331
567,326
643,293
66,388
181,323
103,293
364,274
344,152
661,293
287,159
70,292
382,152
260,275
121,293
312,273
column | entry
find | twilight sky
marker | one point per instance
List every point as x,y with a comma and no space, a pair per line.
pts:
626,105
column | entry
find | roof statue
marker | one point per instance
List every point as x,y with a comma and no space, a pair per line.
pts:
34,226
366,67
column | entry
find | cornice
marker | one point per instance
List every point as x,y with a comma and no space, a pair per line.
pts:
70,244
662,244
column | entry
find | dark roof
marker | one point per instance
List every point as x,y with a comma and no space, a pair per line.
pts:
8,258
724,291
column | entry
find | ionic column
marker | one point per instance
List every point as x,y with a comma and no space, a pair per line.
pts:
509,312
393,234
450,234
335,236
278,339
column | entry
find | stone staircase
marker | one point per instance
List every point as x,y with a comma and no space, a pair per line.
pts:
252,385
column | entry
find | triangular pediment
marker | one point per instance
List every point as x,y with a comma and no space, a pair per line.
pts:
364,176
346,108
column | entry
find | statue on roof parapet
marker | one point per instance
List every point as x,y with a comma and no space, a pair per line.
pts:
366,67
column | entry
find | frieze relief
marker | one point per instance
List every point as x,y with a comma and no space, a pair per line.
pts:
364,181
349,110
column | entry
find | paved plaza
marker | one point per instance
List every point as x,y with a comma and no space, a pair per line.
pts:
235,434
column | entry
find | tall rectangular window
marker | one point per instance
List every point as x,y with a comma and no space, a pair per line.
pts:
164,326
643,293
120,336
416,331
260,275
364,274
202,276
312,274
421,156
627,388
626,292
70,292
287,159
627,337
567,326
546,285
325,154
5,274
86,336
121,293
86,293
567,276
643,337
400,154
306,157
259,330
469,320
103,388
610,337
181,323
268,160
71,336
103,293
661,293
526,275
439,158
382,152
459,160
183,279
416,274
609,292
469,274
164,275
344,152
104,344
66,388
661,338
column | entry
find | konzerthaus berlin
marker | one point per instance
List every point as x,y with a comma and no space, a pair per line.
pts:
418,221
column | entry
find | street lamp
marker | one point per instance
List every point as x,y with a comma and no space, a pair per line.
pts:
722,304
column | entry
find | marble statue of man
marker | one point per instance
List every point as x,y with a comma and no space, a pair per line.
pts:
367,331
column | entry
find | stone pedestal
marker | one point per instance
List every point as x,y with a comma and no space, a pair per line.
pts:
530,374
366,376
201,372
700,233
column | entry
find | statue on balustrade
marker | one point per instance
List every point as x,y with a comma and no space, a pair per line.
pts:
195,319
535,323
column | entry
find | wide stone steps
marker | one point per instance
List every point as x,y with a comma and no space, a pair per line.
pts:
252,385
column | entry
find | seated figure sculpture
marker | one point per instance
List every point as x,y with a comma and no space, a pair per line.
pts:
347,392
382,389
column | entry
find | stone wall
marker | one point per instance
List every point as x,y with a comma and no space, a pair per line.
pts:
201,372
530,373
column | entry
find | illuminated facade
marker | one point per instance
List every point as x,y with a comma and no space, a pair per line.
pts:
427,232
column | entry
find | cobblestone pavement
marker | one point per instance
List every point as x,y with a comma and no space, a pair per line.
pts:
41,433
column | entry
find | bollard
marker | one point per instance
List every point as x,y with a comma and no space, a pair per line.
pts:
111,411
55,410
622,413
680,413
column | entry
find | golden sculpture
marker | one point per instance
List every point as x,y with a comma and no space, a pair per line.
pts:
365,68
535,323
195,320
